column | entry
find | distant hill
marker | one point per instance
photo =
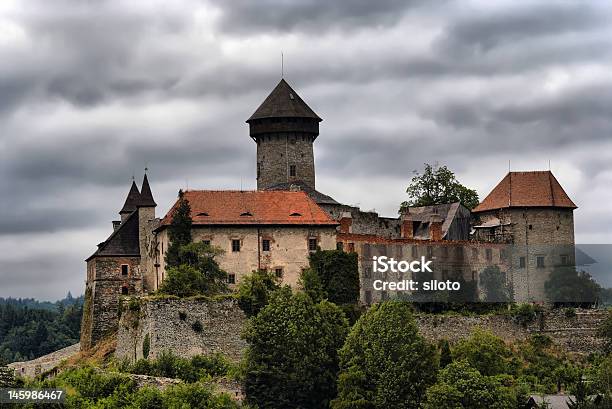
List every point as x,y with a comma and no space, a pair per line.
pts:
31,328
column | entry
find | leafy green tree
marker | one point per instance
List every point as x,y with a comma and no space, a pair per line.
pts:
384,362
446,358
255,289
179,231
438,185
199,273
567,287
310,283
292,358
462,386
494,285
485,352
338,273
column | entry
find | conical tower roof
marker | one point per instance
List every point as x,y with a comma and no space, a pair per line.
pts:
146,197
132,200
284,102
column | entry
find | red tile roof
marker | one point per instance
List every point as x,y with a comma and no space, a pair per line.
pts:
526,189
220,207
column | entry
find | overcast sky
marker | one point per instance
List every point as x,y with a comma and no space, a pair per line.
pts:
93,91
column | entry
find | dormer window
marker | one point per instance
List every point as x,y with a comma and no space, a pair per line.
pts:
295,214
203,214
246,214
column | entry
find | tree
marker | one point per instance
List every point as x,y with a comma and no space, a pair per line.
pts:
567,287
310,283
338,273
494,285
254,291
198,274
484,352
292,358
384,362
179,231
462,386
446,357
438,185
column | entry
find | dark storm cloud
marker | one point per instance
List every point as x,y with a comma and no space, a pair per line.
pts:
244,16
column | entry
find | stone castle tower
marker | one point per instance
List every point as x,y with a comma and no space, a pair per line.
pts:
121,265
284,128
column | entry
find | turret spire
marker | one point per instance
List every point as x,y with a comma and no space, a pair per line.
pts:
132,200
146,197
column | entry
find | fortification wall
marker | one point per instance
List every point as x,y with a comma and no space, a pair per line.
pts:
575,334
171,324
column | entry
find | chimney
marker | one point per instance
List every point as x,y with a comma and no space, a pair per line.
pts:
407,227
346,221
435,227
116,225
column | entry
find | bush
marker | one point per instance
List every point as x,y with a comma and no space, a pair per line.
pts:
485,352
525,314
146,346
570,312
197,326
338,273
254,291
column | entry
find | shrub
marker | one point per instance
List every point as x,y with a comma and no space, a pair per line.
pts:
197,326
570,312
146,346
254,291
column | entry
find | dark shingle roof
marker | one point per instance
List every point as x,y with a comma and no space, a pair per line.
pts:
123,242
526,189
284,102
146,196
132,200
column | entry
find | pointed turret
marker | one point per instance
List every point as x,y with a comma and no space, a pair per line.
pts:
132,200
146,197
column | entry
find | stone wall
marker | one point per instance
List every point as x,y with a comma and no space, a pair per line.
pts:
365,222
288,248
575,334
104,288
276,153
40,365
170,324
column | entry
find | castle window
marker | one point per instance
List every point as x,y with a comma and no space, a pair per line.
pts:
473,275
351,247
278,272
292,170
258,169
367,272
206,242
503,254
415,253
340,246
125,269
540,261
489,254
522,262
235,246
474,253
445,251
564,260
124,291
531,227
231,278
265,245
429,251
312,244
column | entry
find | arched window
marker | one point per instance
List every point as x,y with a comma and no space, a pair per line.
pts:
124,291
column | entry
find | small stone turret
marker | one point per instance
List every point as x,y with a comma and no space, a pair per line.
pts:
284,128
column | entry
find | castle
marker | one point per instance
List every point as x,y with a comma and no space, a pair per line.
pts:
524,226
